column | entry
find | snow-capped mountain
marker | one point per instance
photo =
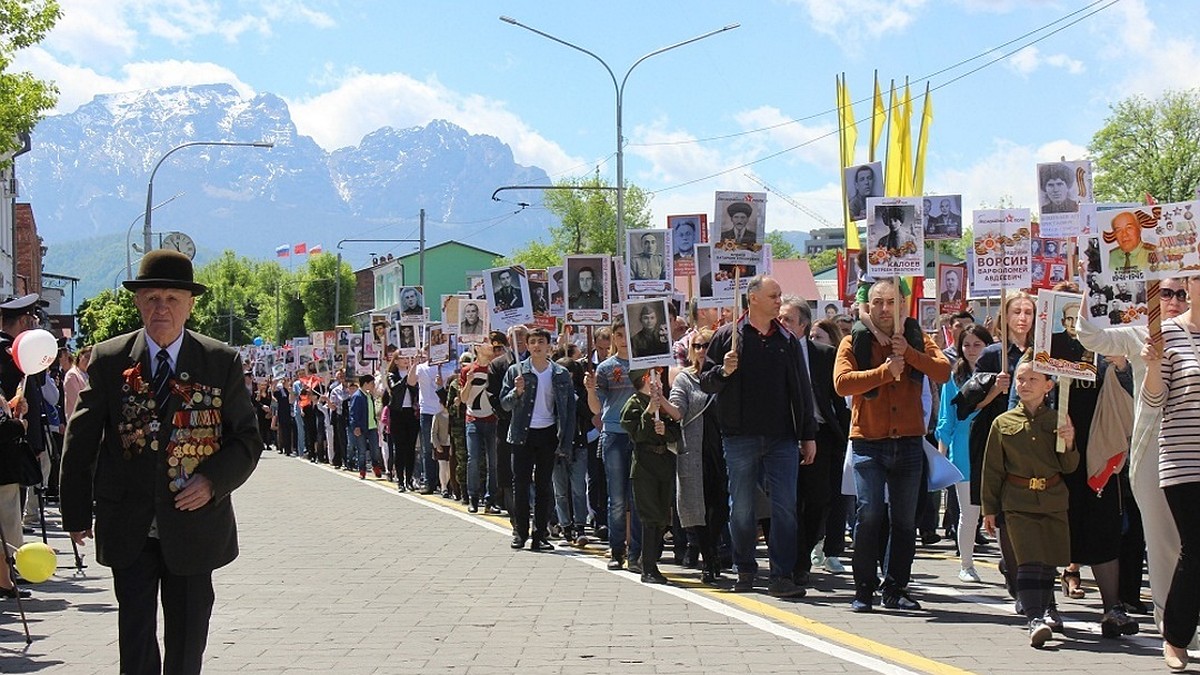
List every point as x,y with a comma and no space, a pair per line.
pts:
87,173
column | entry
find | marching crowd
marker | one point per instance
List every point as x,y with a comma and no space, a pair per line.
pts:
801,432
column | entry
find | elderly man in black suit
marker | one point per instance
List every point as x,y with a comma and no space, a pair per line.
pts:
819,483
739,230
162,435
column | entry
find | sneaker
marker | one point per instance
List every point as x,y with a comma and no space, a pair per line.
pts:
1053,619
860,605
540,545
817,557
472,508
898,598
492,510
834,565
634,564
1116,623
744,583
1039,632
782,587
616,562
969,574
518,542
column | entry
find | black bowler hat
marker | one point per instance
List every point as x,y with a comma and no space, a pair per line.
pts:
165,269
739,207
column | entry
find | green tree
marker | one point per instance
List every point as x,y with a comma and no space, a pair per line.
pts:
107,315
820,261
588,215
781,248
1149,147
23,98
317,283
221,311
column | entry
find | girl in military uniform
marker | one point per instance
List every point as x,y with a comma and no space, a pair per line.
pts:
1023,479
653,469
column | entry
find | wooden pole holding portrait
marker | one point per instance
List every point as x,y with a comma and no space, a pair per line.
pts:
737,306
1003,331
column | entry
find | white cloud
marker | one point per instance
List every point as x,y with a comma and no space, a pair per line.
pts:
815,145
1005,175
1153,58
363,102
79,84
103,31
1030,59
850,22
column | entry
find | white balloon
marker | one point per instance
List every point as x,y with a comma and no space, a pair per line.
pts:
34,350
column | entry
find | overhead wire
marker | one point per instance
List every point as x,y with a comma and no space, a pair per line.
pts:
963,62
1001,57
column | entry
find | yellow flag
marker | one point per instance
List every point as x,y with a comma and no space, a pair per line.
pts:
906,149
878,118
846,120
922,142
847,136
891,169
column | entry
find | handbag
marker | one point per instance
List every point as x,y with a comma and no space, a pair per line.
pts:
942,472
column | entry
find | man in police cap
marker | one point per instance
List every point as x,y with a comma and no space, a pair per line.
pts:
739,230
162,435
18,315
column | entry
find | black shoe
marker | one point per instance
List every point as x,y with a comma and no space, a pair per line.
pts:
518,542
540,545
602,533
690,558
783,587
801,577
11,593
861,606
899,599
707,577
473,508
616,562
427,491
930,538
27,529
634,564
653,577
744,583
1136,607
401,488
981,539
492,510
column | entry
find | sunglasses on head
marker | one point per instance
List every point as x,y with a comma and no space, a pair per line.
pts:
1167,294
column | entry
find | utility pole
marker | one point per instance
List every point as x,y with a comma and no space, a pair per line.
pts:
421,258
337,290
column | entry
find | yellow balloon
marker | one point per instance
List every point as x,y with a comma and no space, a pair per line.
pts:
36,562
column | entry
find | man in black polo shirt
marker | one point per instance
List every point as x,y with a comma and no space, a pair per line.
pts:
765,409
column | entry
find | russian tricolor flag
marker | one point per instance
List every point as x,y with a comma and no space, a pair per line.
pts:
314,250
283,251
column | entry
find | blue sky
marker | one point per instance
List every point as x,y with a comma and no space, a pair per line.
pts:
347,67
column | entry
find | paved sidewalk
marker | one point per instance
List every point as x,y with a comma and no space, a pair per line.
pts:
339,575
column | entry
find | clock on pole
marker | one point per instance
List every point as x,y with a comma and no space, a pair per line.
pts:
178,241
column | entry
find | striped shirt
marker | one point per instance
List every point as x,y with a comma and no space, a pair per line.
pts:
1179,451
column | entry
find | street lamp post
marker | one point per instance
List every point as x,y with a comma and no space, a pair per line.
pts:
620,90
150,183
129,232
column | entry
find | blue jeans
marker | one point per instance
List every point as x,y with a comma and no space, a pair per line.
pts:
299,419
897,465
427,458
570,488
775,461
617,450
366,449
481,438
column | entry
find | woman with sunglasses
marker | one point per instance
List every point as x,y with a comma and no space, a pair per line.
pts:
1162,537
702,498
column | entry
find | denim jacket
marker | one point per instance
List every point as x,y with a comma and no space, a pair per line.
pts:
522,406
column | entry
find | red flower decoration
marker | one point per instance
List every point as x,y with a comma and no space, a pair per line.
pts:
133,377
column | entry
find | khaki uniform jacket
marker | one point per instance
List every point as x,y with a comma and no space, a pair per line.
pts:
1023,446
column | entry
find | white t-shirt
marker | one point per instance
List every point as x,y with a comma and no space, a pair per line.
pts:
428,384
543,403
